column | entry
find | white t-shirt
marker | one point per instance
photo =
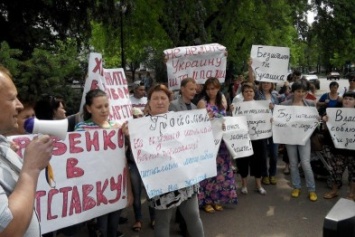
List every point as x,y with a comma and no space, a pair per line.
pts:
138,103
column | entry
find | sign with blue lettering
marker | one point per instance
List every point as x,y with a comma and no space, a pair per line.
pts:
294,125
173,150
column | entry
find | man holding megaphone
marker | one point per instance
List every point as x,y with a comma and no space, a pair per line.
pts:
18,181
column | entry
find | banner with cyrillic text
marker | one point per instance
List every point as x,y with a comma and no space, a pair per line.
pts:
270,63
258,117
173,150
293,125
217,124
114,83
198,62
341,125
236,137
90,178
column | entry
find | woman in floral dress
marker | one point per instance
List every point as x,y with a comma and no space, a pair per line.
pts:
221,189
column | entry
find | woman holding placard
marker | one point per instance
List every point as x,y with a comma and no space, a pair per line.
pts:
299,91
96,112
341,158
220,189
256,161
186,198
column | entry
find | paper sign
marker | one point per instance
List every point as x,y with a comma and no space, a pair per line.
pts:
90,175
198,62
114,83
173,150
341,125
294,125
270,63
236,137
258,117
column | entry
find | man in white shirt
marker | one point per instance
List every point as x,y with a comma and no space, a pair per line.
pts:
18,181
138,99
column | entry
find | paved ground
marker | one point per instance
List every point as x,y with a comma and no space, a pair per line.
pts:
273,215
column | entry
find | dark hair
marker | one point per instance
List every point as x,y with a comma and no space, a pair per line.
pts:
46,106
247,85
297,85
349,94
214,82
89,98
159,87
333,83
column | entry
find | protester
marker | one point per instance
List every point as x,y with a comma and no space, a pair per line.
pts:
330,99
18,181
351,87
184,199
137,183
219,190
96,111
24,114
50,108
265,92
235,87
299,91
138,99
148,81
341,158
182,103
256,162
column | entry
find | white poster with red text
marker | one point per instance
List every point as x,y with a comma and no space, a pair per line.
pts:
198,62
90,178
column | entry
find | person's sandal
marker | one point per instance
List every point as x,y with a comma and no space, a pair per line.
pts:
209,209
218,207
330,195
137,226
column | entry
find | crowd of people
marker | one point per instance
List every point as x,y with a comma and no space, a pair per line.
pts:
18,188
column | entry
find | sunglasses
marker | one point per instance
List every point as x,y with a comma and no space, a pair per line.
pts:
352,79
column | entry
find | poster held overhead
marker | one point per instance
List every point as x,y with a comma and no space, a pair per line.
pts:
270,63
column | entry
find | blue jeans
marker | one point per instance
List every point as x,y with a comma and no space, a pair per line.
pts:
136,183
305,157
273,156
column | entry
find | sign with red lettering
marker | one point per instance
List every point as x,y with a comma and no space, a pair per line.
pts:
198,62
90,174
114,83
270,63
173,150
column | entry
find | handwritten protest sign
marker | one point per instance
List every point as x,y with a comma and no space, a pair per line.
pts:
341,125
258,117
114,83
116,87
173,150
90,175
198,62
236,137
293,125
270,63
217,131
